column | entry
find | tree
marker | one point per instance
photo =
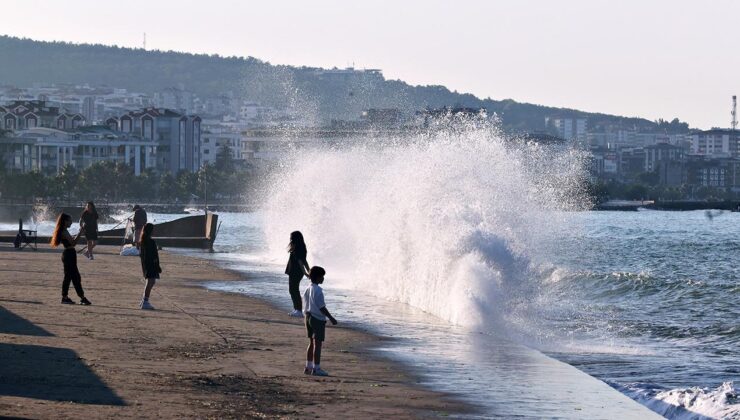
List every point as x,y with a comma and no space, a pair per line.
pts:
66,182
168,187
225,159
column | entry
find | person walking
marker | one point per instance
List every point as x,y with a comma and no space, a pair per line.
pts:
89,225
149,263
139,222
297,268
69,259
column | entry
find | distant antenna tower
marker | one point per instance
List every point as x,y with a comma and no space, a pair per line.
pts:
734,112
144,40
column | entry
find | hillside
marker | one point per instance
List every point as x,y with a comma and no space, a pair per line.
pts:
24,62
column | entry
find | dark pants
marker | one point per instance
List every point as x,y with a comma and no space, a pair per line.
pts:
71,273
294,283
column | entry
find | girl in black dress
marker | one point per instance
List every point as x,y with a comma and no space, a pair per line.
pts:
149,263
89,223
69,258
297,268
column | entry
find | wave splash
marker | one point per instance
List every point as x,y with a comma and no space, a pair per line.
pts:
693,403
447,222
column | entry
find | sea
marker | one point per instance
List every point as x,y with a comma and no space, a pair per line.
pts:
474,256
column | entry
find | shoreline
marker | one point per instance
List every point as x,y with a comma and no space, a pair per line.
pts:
200,354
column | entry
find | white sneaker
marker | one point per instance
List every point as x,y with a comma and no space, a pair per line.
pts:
319,372
296,314
146,305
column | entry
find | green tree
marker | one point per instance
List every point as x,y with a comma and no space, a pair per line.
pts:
225,159
67,182
168,187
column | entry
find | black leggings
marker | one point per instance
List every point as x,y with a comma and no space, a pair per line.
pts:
294,283
71,273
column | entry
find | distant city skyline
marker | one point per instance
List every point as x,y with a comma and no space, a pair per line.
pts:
656,59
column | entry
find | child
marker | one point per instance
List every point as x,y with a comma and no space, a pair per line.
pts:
69,259
149,263
316,314
297,268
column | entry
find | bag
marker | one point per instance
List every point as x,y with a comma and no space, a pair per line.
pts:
129,250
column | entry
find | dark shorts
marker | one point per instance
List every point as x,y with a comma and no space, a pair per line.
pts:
91,236
315,328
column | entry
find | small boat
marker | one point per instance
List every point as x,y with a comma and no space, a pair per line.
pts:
197,231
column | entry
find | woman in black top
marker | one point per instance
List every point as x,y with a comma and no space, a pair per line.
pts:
69,258
149,263
297,268
89,224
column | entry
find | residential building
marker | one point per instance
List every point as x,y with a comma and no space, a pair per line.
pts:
178,136
214,137
715,143
668,162
48,150
571,129
23,114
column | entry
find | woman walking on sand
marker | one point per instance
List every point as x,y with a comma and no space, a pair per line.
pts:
149,263
89,224
69,258
297,268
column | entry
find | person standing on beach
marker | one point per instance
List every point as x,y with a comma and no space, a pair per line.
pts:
149,263
297,268
89,225
316,315
139,222
69,259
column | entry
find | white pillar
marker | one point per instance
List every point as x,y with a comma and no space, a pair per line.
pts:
147,156
127,154
59,158
137,160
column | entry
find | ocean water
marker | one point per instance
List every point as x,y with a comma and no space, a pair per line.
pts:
475,255
645,301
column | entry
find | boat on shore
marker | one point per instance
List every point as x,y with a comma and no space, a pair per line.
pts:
196,231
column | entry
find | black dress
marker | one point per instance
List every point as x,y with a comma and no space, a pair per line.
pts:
90,221
149,259
294,270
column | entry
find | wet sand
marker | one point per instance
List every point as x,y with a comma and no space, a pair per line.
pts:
200,354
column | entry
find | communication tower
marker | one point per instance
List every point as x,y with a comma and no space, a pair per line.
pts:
734,112
144,41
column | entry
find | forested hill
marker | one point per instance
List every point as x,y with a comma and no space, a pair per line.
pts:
24,62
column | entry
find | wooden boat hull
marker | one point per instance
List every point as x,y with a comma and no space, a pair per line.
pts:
197,231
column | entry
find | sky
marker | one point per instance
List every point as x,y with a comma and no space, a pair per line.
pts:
648,58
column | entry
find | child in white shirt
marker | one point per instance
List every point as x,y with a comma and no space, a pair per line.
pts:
316,314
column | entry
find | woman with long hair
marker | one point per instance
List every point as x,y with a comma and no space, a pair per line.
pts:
69,258
297,268
89,224
149,263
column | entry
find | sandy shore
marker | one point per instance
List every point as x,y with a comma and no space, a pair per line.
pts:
199,354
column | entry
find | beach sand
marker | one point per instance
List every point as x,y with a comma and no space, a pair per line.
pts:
199,354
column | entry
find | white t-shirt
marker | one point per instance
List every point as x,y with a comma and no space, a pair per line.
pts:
313,301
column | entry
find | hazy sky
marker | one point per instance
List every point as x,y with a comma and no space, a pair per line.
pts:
653,59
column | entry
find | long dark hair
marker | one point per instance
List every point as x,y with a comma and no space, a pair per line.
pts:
296,243
56,237
92,210
146,233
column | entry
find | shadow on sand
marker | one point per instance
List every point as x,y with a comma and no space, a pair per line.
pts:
11,323
46,373
51,373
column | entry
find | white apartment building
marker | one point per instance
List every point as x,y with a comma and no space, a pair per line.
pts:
715,143
213,138
48,150
571,129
